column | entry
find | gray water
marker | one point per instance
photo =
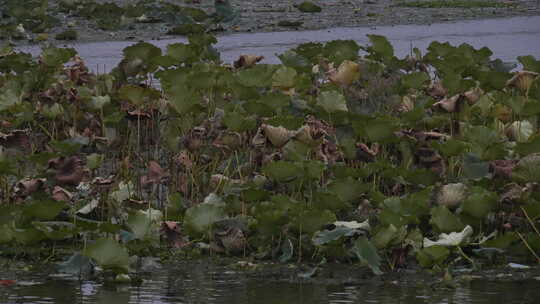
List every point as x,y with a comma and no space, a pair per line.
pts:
507,38
209,283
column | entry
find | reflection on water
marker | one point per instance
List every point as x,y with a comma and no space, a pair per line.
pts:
202,283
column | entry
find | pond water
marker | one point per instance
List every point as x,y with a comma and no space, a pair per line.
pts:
210,283
507,38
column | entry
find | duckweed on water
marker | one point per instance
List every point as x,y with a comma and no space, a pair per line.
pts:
328,155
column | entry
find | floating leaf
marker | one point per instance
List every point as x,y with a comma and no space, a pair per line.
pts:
108,254
480,202
445,220
434,255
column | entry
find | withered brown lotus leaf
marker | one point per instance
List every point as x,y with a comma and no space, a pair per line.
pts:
60,194
278,136
522,80
450,104
247,60
171,232
431,159
502,167
17,139
437,90
347,72
68,170
155,174
473,95
184,159
28,186
365,153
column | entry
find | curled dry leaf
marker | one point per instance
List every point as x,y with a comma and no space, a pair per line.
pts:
473,95
431,159
406,105
247,60
183,159
68,170
278,136
346,73
155,174
452,195
437,90
28,186
450,104
522,80
60,194
502,168
365,153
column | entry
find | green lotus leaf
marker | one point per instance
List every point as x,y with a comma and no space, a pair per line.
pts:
309,7
332,102
434,255
238,122
28,235
328,200
260,75
526,170
310,50
348,189
380,47
284,77
326,236
98,102
183,101
198,220
6,234
291,59
312,220
474,167
56,57
53,111
502,241
11,94
295,150
56,231
529,63
138,95
367,253
76,264
444,220
142,50
380,129
142,225
94,160
414,80
529,147
450,147
276,101
108,254
339,50
282,171
44,210
384,236
480,202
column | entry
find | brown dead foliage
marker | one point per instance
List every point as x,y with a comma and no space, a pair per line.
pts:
245,61
155,174
67,170
502,168
171,232
17,139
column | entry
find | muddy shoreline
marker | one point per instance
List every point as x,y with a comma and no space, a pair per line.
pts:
260,16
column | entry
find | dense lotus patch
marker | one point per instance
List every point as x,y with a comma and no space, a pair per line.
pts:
382,160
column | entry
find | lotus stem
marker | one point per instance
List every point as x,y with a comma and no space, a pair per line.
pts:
529,247
530,221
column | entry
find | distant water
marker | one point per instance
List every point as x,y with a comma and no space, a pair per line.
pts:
506,37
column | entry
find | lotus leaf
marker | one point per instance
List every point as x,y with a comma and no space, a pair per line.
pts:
434,255
445,220
332,102
367,253
108,254
526,169
198,220
480,202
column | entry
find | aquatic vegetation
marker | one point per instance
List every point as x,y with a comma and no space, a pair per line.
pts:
67,35
454,3
329,155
